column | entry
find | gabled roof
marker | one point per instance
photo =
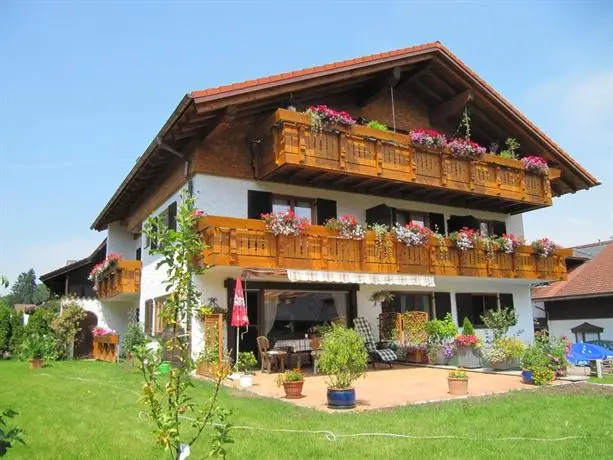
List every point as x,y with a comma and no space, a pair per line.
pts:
199,111
98,252
593,278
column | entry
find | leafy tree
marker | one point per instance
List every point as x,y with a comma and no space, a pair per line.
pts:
133,338
17,331
40,321
41,294
165,396
24,288
5,329
8,436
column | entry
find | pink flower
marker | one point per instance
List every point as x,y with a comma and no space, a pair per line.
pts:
198,213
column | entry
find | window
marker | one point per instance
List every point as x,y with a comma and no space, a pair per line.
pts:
473,306
154,323
167,218
301,207
420,218
404,301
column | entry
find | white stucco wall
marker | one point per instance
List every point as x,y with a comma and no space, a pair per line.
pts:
113,315
120,241
563,327
228,197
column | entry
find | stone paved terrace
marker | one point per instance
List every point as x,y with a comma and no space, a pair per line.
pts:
399,386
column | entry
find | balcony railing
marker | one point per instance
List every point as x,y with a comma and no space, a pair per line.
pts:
122,282
378,156
246,243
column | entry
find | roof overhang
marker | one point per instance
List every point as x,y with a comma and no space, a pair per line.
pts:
199,112
74,265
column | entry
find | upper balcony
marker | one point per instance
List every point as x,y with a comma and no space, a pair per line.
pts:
246,243
121,282
370,161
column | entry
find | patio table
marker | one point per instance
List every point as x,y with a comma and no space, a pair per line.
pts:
295,346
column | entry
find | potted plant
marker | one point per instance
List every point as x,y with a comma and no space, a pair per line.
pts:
292,381
440,335
417,353
504,353
457,380
246,363
344,358
467,344
533,358
316,333
35,348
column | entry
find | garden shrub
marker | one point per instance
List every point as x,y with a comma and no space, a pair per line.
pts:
40,322
17,331
133,338
5,329
66,326
467,327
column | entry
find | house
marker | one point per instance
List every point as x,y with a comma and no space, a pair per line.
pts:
249,148
581,307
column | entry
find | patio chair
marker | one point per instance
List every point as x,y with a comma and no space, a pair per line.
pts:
385,355
270,358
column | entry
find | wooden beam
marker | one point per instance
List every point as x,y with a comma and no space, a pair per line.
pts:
371,91
450,107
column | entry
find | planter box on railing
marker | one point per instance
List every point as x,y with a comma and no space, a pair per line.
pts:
124,279
246,243
106,348
371,153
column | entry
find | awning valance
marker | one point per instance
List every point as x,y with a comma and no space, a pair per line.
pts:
321,276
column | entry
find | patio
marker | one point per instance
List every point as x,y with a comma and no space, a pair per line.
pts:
385,388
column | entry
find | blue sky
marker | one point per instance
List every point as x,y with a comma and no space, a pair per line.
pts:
86,86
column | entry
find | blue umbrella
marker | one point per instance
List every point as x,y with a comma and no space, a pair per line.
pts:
582,353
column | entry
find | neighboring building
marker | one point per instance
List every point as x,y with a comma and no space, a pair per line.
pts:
582,306
242,154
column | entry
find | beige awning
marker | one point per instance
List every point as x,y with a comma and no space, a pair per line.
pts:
321,276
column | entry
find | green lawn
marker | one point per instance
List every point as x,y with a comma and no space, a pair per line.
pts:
89,410
607,379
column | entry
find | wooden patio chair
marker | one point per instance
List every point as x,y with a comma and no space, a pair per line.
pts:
270,358
385,355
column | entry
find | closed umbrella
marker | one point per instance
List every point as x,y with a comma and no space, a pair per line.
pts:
239,311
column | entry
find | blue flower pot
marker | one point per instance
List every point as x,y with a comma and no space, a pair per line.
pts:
526,377
341,399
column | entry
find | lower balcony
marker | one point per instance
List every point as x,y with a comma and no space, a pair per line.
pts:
122,283
246,243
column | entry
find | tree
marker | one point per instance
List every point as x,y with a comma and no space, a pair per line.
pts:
41,294
24,288
166,399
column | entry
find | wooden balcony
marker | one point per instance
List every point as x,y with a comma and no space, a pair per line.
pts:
366,160
121,284
246,243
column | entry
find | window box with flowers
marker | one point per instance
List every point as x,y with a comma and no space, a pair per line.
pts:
105,344
428,139
347,227
323,117
412,234
535,165
509,243
465,149
285,223
465,239
544,247
105,267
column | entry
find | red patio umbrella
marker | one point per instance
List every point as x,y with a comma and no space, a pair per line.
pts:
239,311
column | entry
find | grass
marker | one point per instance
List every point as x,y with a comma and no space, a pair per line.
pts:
607,379
89,410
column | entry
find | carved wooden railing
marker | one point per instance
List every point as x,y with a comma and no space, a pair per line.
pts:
371,153
246,243
124,279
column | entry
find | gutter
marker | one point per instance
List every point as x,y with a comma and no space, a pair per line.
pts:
144,158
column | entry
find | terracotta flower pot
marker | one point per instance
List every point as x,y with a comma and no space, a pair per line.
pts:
457,386
36,363
293,390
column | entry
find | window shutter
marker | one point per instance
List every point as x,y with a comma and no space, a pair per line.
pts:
325,209
381,214
258,203
455,223
464,305
149,317
437,221
500,228
152,242
139,254
172,216
506,301
443,304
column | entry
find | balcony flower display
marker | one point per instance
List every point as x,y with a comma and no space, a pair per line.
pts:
412,234
107,265
465,149
102,331
536,165
464,239
544,247
509,243
428,138
347,227
285,223
322,115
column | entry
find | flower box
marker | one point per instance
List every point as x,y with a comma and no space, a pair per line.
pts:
105,347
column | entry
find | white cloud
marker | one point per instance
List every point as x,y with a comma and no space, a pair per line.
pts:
47,256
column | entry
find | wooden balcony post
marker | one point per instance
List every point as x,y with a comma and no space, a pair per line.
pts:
472,171
233,247
280,243
324,251
522,184
379,157
444,168
302,148
412,170
363,255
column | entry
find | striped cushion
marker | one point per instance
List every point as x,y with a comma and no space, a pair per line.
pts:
386,355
